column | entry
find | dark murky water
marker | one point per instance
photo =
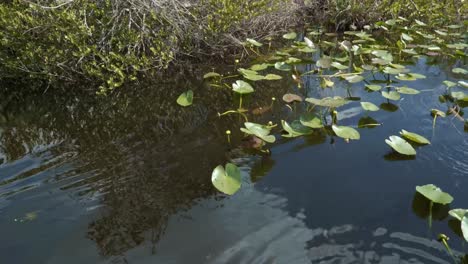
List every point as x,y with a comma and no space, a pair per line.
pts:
127,180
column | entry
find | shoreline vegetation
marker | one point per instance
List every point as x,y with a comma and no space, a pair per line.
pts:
109,43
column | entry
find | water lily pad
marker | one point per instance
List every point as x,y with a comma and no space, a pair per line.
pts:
292,60
460,96
260,131
410,76
254,42
242,87
434,194
226,180
290,36
311,120
414,137
392,95
309,43
324,62
459,71
391,70
254,77
346,132
463,83
464,226
307,50
295,129
211,75
407,90
458,213
339,66
406,37
333,102
259,67
186,98
400,145
289,98
368,106
282,66
272,77
449,83
354,78
437,112
373,87
420,23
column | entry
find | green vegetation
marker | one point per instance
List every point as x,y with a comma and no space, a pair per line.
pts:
108,43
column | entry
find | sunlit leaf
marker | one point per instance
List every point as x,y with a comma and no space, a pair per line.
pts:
259,67
211,75
282,66
464,227
311,120
226,180
459,71
414,137
346,132
295,129
272,77
407,90
339,66
242,87
392,95
368,106
260,131
354,78
373,87
254,42
458,213
324,62
186,98
434,194
290,36
407,37
400,145
460,96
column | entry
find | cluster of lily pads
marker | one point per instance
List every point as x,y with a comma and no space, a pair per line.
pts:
436,196
354,57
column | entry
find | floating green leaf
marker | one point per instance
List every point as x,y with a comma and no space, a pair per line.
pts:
346,132
459,71
272,77
449,84
414,137
460,96
289,98
407,37
407,90
324,62
295,129
186,98
434,194
339,66
259,67
282,66
458,213
368,106
464,226
211,75
332,102
373,87
311,120
392,95
290,36
254,77
242,87
226,180
400,145
260,131
354,78
309,43
254,42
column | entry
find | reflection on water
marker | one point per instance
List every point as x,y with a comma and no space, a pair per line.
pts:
127,180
